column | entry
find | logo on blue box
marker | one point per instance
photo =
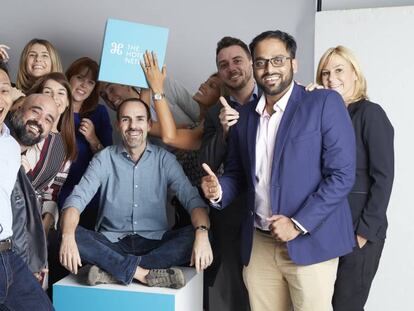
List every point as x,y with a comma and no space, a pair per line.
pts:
124,46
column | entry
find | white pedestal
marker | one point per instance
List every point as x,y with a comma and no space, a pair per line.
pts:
72,293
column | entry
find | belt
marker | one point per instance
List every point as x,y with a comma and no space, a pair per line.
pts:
6,245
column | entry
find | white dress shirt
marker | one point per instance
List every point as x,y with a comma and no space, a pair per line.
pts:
9,165
265,145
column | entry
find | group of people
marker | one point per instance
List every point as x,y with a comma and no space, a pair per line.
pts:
296,181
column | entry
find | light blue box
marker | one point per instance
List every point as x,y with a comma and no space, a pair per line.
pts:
123,48
71,293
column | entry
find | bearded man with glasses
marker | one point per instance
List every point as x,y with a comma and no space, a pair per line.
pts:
293,153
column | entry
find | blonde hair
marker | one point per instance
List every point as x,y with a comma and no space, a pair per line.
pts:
24,80
360,91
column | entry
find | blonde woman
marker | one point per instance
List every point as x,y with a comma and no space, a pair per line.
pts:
339,70
38,58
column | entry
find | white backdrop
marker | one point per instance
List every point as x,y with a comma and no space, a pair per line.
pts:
359,4
382,40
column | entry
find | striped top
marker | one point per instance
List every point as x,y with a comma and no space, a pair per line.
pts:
48,172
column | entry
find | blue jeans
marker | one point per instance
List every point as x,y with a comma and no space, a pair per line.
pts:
19,289
121,258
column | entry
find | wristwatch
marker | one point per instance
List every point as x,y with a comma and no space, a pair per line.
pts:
201,228
298,228
158,96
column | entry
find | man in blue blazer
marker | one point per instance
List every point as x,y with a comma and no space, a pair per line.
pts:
293,153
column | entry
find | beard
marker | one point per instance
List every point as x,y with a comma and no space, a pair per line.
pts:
20,132
278,89
240,85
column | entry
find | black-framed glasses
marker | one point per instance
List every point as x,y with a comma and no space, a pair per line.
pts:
277,61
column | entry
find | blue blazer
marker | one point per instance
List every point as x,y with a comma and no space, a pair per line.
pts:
313,171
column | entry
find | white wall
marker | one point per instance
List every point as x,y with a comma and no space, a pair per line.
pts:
381,38
359,4
76,28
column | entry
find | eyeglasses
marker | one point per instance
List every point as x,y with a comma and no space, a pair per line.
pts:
277,61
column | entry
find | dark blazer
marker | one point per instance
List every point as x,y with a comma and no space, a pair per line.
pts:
213,148
213,151
225,275
374,169
312,174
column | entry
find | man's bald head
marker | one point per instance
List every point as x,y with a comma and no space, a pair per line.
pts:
34,120
44,101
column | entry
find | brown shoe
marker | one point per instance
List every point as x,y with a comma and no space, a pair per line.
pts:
98,276
171,278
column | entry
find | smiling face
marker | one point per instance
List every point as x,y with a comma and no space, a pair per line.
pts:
114,94
234,67
34,120
274,81
5,96
209,92
59,94
339,75
38,62
82,85
134,125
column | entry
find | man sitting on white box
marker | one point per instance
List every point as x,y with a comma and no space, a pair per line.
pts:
133,238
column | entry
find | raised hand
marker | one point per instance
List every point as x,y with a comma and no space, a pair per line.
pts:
228,116
4,56
209,184
155,77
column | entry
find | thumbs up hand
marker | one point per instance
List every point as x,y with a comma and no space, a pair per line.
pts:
210,185
228,116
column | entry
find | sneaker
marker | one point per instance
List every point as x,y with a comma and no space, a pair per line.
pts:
171,278
98,276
